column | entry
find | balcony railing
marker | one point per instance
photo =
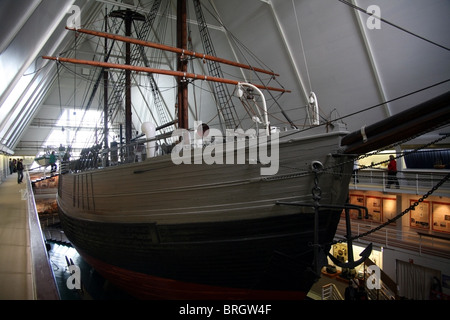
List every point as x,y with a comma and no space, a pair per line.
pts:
393,237
410,181
331,292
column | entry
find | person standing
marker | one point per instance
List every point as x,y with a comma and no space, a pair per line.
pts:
392,173
19,171
11,166
350,291
53,162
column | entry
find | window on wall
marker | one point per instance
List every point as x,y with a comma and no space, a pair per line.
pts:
373,205
389,208
441,216
420,216
380,209
358,200
431,215
427,215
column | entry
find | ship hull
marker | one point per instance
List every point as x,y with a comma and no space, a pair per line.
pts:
261,258
148,287
166,231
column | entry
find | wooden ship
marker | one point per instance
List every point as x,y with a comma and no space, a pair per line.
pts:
224,230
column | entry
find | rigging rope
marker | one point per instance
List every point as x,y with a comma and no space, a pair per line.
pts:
375,106
394,25
241,46
394,99
301,43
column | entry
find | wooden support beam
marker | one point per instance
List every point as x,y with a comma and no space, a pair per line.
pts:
171,49
157,71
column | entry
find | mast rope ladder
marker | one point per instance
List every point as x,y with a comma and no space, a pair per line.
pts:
116,98
158,101
225,106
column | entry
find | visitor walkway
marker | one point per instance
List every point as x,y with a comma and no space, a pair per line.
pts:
25,271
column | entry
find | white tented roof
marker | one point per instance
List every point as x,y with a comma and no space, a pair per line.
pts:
348,58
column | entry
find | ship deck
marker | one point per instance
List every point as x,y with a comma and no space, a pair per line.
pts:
21,267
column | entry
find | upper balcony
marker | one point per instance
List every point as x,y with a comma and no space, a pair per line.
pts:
414,183
411,181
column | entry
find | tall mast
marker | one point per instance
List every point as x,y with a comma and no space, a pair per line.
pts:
105,90
128,16
182,101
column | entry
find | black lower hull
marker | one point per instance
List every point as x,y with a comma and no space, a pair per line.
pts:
262,255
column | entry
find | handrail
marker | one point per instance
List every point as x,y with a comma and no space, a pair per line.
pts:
331,292
44,282
393,237
409,181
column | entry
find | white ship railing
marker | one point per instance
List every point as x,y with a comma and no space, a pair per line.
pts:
137,150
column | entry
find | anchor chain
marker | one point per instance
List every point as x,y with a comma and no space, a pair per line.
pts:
317,167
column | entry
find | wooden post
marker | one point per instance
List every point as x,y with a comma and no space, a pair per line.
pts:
105,95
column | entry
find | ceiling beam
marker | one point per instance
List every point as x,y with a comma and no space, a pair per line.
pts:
37,44
372,62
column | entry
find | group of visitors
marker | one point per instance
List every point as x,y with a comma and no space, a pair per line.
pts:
16,165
